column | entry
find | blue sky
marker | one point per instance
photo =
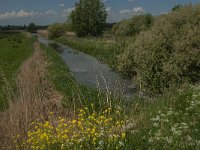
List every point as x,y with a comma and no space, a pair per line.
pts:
19,12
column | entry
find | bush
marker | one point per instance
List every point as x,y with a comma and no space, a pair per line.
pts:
133,26
56,30
167,54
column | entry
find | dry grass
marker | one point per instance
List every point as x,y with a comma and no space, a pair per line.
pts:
43,33
70,33
35,97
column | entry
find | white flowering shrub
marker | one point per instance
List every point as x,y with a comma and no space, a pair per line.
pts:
179,127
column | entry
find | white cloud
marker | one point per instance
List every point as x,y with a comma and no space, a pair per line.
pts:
135,10
108,10
164,13
67,11
15,14
50,12
138,10
61,5
124,11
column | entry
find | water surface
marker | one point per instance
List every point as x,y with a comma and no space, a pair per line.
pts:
88,71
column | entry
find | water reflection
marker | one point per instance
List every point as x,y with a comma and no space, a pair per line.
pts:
88,71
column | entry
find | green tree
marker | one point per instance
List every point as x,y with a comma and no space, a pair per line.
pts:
176,7
56,30
88,18
133,26
32,28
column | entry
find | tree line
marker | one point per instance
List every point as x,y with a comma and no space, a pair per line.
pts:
31,27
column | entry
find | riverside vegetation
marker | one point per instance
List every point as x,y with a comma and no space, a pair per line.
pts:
156,52
49,110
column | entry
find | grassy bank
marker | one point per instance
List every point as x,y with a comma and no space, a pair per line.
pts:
74,94
15,48
164,122
103,49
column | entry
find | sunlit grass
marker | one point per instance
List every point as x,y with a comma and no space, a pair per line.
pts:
15,48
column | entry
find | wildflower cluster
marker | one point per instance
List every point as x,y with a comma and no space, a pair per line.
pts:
179,129
88,131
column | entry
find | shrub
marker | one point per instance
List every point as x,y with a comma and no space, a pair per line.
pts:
133,26
168,53
56,30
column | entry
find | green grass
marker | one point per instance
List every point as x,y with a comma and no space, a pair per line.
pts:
75,94
15,48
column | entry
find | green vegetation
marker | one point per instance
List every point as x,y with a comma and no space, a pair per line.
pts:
56,30
170,121
168,53
75,95
133,26
160,122
96,130
163,57
88,18
177,7
103,49
153,124
32,28
15,48
155,54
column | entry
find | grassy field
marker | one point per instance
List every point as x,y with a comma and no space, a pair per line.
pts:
15,48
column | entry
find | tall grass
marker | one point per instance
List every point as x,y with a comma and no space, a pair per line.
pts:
35,96
15,48
73,92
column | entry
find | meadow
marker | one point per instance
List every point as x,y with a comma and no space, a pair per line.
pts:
15,48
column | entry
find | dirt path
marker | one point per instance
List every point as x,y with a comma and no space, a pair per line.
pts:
35,97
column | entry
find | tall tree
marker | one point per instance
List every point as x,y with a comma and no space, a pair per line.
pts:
88,18
32,28
177,7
